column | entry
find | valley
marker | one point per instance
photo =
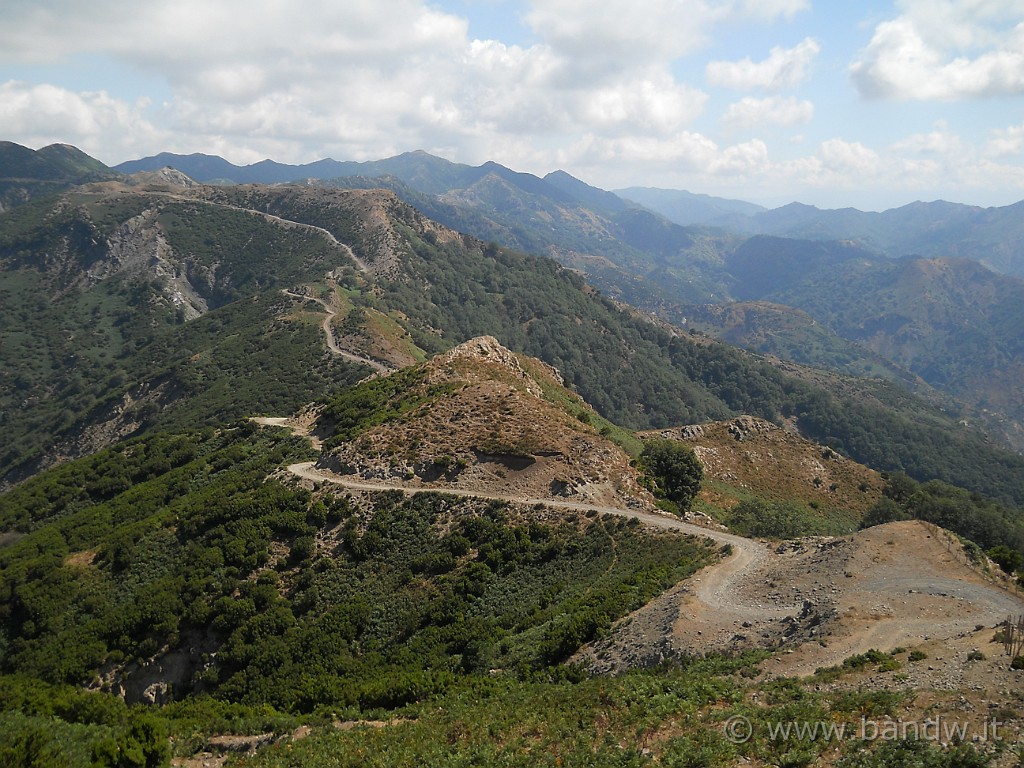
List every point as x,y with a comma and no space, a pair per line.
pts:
513,497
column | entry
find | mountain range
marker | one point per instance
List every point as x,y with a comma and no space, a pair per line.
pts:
331,469
992,236
950,331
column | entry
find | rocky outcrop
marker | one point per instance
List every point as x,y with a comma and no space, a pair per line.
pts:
493,421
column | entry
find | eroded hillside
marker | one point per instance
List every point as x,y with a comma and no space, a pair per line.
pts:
478,417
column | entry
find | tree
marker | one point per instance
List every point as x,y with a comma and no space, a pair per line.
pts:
674,469
884,511
1010,560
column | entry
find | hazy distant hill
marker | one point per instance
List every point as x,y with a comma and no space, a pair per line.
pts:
26,174
991,236
953,322
687,208
421,170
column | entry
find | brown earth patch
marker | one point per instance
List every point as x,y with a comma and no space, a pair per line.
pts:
754,456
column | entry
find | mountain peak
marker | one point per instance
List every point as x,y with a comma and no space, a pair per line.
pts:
165,175
477,417
482,347
488,350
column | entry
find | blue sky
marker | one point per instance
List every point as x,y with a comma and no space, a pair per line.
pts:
866,104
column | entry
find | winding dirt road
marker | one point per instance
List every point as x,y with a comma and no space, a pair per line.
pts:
332,343
899,584
716,587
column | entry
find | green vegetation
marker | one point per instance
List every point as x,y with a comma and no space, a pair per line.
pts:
95,356
673,470
987,523
672,716
783,520
308,601
447,617
355,410
48,726
27,175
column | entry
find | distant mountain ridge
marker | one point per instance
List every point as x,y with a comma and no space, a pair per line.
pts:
993,236
26,174
687,208
633,251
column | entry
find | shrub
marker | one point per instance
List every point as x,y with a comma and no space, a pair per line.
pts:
675,470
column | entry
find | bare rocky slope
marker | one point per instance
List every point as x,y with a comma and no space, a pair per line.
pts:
747,455
819,601
490,421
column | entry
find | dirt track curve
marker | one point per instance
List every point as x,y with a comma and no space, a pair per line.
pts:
891,585
332,343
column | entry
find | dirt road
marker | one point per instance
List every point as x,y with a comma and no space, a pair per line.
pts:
716,587
332,343
825,599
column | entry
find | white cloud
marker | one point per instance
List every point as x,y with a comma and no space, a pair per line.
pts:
784,68
943,50
655,104
357,79
940,141
774,110
850,157
1006,141
44,114
614,31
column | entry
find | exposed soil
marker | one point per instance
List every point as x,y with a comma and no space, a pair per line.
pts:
816,600
487,424
819,600
754,455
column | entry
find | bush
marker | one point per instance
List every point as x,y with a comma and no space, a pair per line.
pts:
1010,560
773,520
675,470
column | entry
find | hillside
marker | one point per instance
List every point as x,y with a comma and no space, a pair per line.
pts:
248,610
477,418
687,209
937,229
747,457
192,572
991,236
694,272
126,262
27,174
950,322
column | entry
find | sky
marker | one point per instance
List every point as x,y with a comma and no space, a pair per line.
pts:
868,104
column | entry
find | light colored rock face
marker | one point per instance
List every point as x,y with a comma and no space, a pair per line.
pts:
489,350
139,246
